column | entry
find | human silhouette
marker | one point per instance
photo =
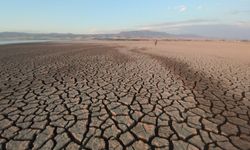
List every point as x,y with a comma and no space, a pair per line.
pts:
156,42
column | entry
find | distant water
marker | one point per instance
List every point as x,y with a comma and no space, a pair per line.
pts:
22,41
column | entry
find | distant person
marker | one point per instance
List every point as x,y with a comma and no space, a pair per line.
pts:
156,42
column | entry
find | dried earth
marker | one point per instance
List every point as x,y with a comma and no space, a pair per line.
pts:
105,96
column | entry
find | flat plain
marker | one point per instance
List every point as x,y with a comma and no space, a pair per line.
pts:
125,95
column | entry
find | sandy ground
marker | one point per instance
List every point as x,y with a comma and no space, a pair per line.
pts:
125,94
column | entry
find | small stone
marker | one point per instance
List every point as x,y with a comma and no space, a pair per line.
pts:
205,136
24,125
4,124
126,138
238,121
26,134
200,112
111,132
143,131
190,99
210,126
61,141
181,145
227,145
72,146
196,140
43,137
175,115
214,147
10,132
183,130
139,145
114,145
160,142
39,125
96,143
194,122
229,129
246,102
14,145
148,119
218,138
48,145
78,129
127,100
165,131
240,142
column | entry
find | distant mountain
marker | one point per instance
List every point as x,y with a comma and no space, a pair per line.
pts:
69,36
144,34
154,34
38,36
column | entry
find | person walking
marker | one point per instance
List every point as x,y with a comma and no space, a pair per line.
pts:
156,42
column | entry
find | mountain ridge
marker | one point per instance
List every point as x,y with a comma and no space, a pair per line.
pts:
70,36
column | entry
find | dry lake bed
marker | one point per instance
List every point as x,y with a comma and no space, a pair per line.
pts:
125,95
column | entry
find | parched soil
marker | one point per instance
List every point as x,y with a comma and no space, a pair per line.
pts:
104,96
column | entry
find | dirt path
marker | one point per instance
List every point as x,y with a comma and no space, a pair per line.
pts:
87,96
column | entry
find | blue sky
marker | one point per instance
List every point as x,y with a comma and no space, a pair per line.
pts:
110,16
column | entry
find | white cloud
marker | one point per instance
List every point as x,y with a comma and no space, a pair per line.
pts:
178,24
237,12
182,8
200,7
206,28
243,24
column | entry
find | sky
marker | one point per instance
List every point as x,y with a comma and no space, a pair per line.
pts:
222,18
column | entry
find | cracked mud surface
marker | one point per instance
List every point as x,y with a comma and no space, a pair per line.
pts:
89,96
